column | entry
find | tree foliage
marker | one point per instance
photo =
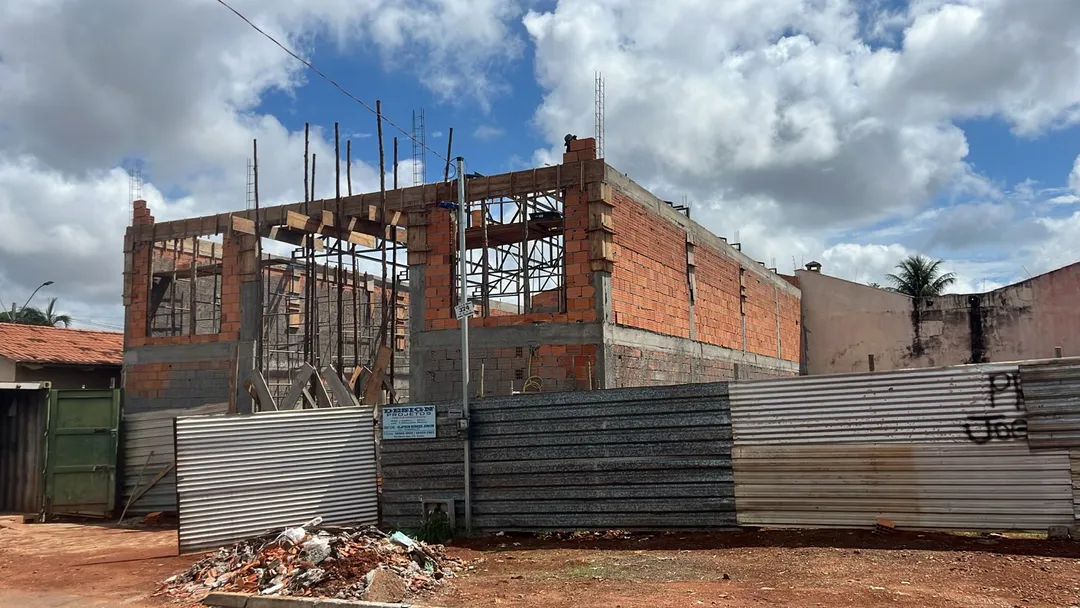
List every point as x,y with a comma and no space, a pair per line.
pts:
919,277
30,315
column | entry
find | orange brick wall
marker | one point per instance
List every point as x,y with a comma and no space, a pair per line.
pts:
716,311
135,327
790,327
649,287
440,294
760,309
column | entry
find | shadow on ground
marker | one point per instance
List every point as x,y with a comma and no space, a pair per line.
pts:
1034,545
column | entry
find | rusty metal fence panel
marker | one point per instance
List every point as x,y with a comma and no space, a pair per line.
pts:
23,413
928,448
241,476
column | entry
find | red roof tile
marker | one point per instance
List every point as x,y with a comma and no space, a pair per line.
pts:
39,344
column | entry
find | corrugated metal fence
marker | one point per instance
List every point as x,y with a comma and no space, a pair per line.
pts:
149,457
240,476
1052,398
929,448
627,458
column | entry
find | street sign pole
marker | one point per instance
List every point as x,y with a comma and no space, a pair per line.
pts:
464,341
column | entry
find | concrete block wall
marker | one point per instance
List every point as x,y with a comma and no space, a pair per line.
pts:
647,367
561,368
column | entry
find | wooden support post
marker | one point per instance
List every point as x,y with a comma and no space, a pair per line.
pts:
373,384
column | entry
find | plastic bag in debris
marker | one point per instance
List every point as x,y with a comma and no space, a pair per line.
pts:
317,549
402,539
295,535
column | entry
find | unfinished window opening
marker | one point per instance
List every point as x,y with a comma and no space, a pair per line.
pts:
324,307
515,261
185,288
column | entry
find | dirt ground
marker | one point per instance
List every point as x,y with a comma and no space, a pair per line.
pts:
87,566
84,565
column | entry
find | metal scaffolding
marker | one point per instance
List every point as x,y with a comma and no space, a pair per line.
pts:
516,260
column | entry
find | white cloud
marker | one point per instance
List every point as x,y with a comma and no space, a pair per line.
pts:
798,128
1074,177
488,132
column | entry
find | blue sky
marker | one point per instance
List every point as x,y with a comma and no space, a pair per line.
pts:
498,140
852,132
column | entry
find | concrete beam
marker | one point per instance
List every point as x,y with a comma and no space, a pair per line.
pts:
403,199
530,334
180,353
639,338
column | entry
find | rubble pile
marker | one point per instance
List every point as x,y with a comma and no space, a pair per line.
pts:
342,563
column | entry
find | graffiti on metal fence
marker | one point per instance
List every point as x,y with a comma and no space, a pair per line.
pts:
1007,418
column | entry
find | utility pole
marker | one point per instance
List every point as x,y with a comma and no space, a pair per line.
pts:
461,213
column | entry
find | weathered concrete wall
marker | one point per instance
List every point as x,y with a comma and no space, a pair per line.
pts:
563,356
71,377
633,357
845,323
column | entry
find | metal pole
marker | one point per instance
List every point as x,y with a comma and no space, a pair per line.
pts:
464,342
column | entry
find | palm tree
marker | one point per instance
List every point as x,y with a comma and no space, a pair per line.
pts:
52,318
919,277
35,316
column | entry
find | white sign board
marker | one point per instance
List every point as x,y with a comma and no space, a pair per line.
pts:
408,422
465,309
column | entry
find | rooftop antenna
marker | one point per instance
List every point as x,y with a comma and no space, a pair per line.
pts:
599,111
250,198
135,188
419,148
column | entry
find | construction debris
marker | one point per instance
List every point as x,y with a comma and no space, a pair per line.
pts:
341,563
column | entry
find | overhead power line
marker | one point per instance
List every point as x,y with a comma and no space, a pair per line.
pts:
311,67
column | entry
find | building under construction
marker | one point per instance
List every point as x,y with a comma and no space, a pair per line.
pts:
580,279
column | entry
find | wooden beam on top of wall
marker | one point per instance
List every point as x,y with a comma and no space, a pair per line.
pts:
296,238
374,228
242,224
403,199
299,221
358,229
